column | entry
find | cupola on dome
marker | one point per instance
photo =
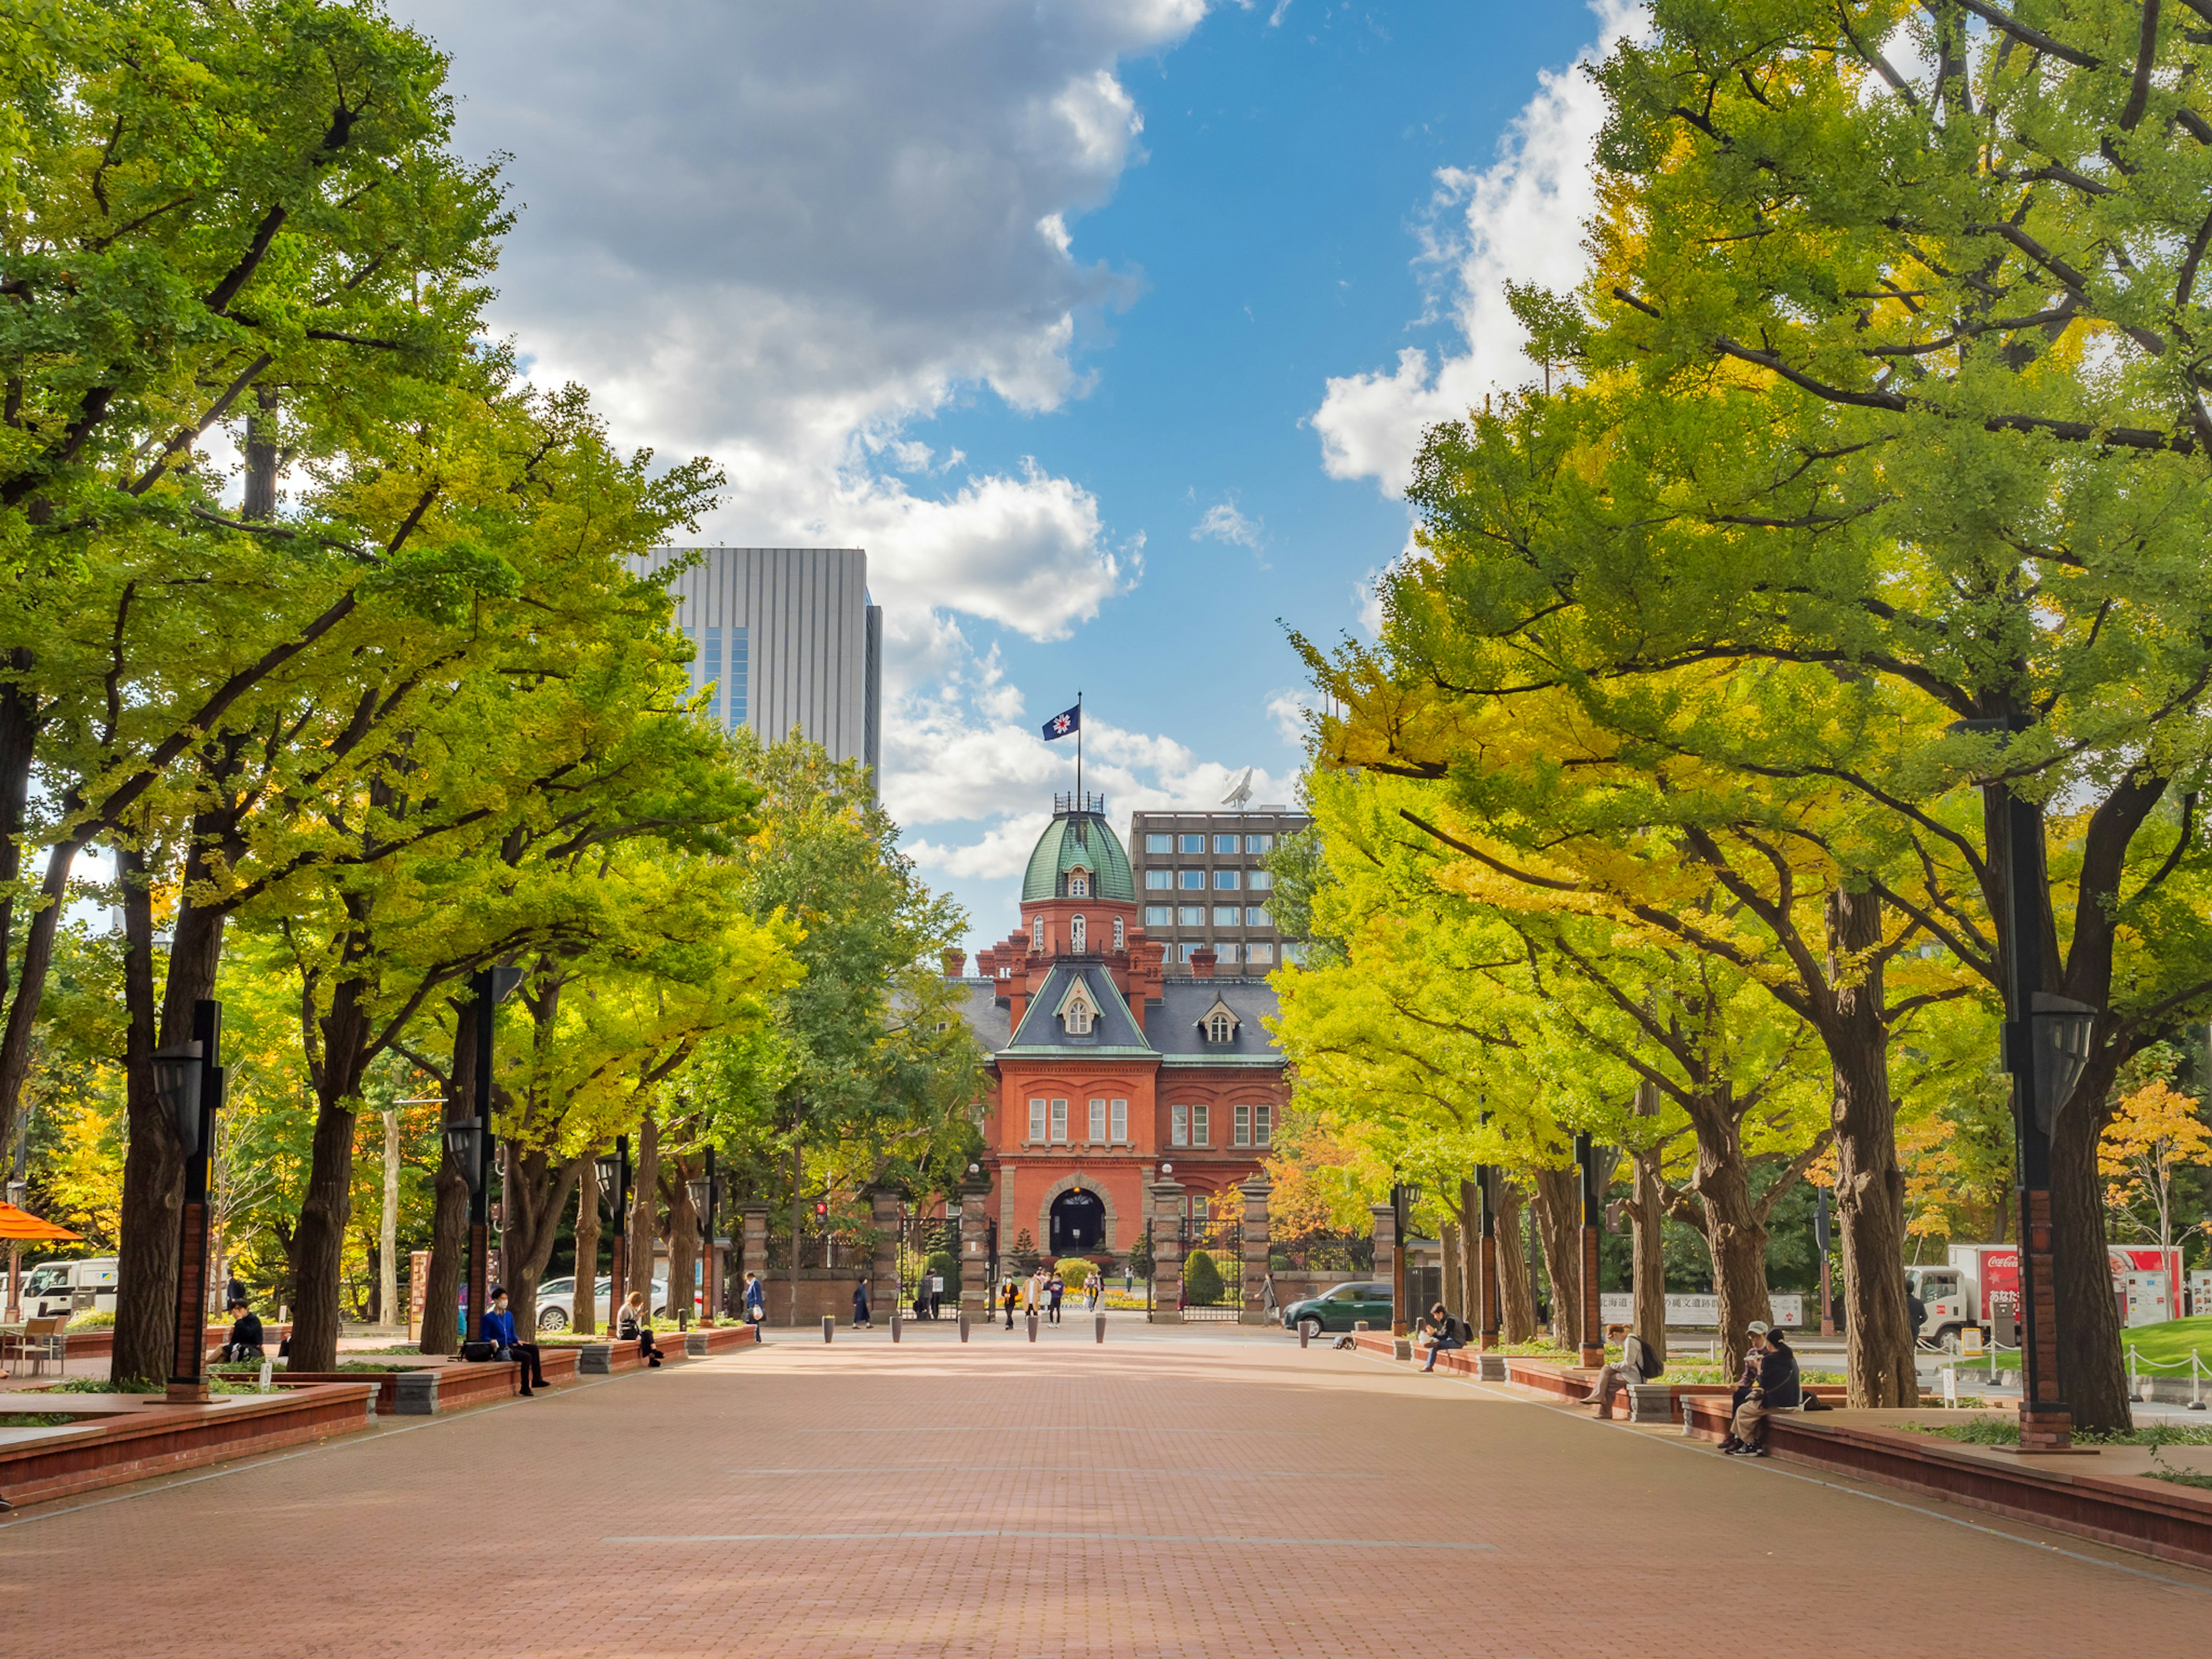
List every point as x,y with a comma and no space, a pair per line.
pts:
1079,857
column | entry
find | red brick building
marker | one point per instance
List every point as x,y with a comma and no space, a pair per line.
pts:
1104,1068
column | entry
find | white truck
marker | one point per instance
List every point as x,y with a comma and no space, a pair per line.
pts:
1979,1287
54,1288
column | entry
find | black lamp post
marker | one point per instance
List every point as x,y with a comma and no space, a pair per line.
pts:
188,1083
1487,1251
703,1204
1404,1195
2047,1039
1593,1345
473,1151
614,1181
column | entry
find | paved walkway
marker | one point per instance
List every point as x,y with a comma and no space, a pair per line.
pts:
1195,1494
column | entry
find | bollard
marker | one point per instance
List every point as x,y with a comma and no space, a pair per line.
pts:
1033,1324
2196,1384
829,1326
1305,1334
963,1324
895,1328
1359,1325
268,1366
1102,1328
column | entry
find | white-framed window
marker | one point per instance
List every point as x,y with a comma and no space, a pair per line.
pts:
1240,1126
1155,915
1260,950
1225,949
1190,843
1258,843
1191,881
1220,1028
1006,971
1078,884
1226,880
1121,933
1036,932
1225,843
1190,915
1255,915
1228,916
1263,1126
1263,881
1097,1120
1198,1117
1158,881
1179,1125
1037,1110
1060,1122
1159,843
1077,932
1293,951
1117,1124
1077,1016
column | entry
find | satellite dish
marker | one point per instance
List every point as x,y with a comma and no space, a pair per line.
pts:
1242,791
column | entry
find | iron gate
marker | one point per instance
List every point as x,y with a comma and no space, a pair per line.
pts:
921,1237
1215,1289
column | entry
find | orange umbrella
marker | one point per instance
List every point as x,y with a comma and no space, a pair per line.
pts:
21,1225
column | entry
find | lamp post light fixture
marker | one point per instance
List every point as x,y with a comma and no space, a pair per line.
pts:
490,987
188,1084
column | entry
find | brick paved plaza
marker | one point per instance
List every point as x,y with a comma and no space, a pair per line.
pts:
1169,1493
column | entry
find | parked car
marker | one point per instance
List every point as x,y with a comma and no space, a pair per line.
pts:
1341,1308
557,1301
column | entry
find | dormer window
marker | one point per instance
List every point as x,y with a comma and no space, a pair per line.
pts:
1078,1011
1078,884
1220,1028
1078,935
1078,1018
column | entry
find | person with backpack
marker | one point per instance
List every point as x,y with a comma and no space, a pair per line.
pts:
1441,1330
1639,1362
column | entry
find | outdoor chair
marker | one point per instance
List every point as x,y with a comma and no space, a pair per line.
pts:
41,1340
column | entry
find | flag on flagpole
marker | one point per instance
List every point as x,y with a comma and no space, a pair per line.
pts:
1062,724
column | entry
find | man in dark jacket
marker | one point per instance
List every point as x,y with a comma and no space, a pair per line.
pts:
498,1329
245,1338
1777,1391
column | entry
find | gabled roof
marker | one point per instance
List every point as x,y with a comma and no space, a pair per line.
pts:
1177,1028
1114,1032
985,1016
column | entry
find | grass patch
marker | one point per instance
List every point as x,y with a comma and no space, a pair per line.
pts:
36,1419
2005,1431
101,1385
371,1367
2183,1477
2164,1348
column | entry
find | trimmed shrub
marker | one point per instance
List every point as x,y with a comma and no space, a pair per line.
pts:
1075,1269
1202,1280
93,1319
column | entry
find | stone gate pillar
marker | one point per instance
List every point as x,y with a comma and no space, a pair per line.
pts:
974,1248
1255,1192
752,1218
1387,1261
1167,1252
884,1215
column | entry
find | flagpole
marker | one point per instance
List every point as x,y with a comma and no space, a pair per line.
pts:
1080,807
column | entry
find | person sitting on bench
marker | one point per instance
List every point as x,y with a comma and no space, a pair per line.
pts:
1638,1364
498,1329
636,1326
1777,1391
245,1341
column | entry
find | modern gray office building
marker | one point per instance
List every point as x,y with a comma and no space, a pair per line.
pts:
785,636
1201,880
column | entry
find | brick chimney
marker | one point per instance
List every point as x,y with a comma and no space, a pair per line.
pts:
955,964
1201,964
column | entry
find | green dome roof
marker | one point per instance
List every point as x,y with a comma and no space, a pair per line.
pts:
1079,840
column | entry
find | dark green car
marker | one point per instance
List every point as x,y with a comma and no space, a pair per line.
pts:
1339,1308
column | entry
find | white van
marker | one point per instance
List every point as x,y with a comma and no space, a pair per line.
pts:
68,1287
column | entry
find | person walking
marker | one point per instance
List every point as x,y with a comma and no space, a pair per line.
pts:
756,1306
497,1328
1013,1295
860,1321
636,1325
936,1293
1055,1288
1636,1363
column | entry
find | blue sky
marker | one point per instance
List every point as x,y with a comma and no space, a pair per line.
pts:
1108,327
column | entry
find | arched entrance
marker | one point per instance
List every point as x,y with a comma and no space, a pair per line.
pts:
1077,1222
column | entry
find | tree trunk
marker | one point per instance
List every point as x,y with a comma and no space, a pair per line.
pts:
449,1221
1469,1230
1517,1302
584,1305
326,1210
535,1194
683,1241
1869,1186
2091,1372
1455,1301
1559,1231
645,1205
152,1162
1647,1217
387,1227
1737,1239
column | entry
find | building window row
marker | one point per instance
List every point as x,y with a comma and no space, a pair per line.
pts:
1249,1126
1108,1122
1223,878
1187,843
1194,915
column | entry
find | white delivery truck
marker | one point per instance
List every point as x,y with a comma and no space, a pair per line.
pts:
1979,1285
69,1287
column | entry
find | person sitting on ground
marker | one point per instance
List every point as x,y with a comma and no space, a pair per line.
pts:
1777,1391
497,1328
1638,1364
636,1325
1440,1331
1746,1380
245,1341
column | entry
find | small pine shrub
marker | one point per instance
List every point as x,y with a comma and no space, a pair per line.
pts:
1075,1269
1202,1280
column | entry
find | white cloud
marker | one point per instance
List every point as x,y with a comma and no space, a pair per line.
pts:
1521,220
1224,522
